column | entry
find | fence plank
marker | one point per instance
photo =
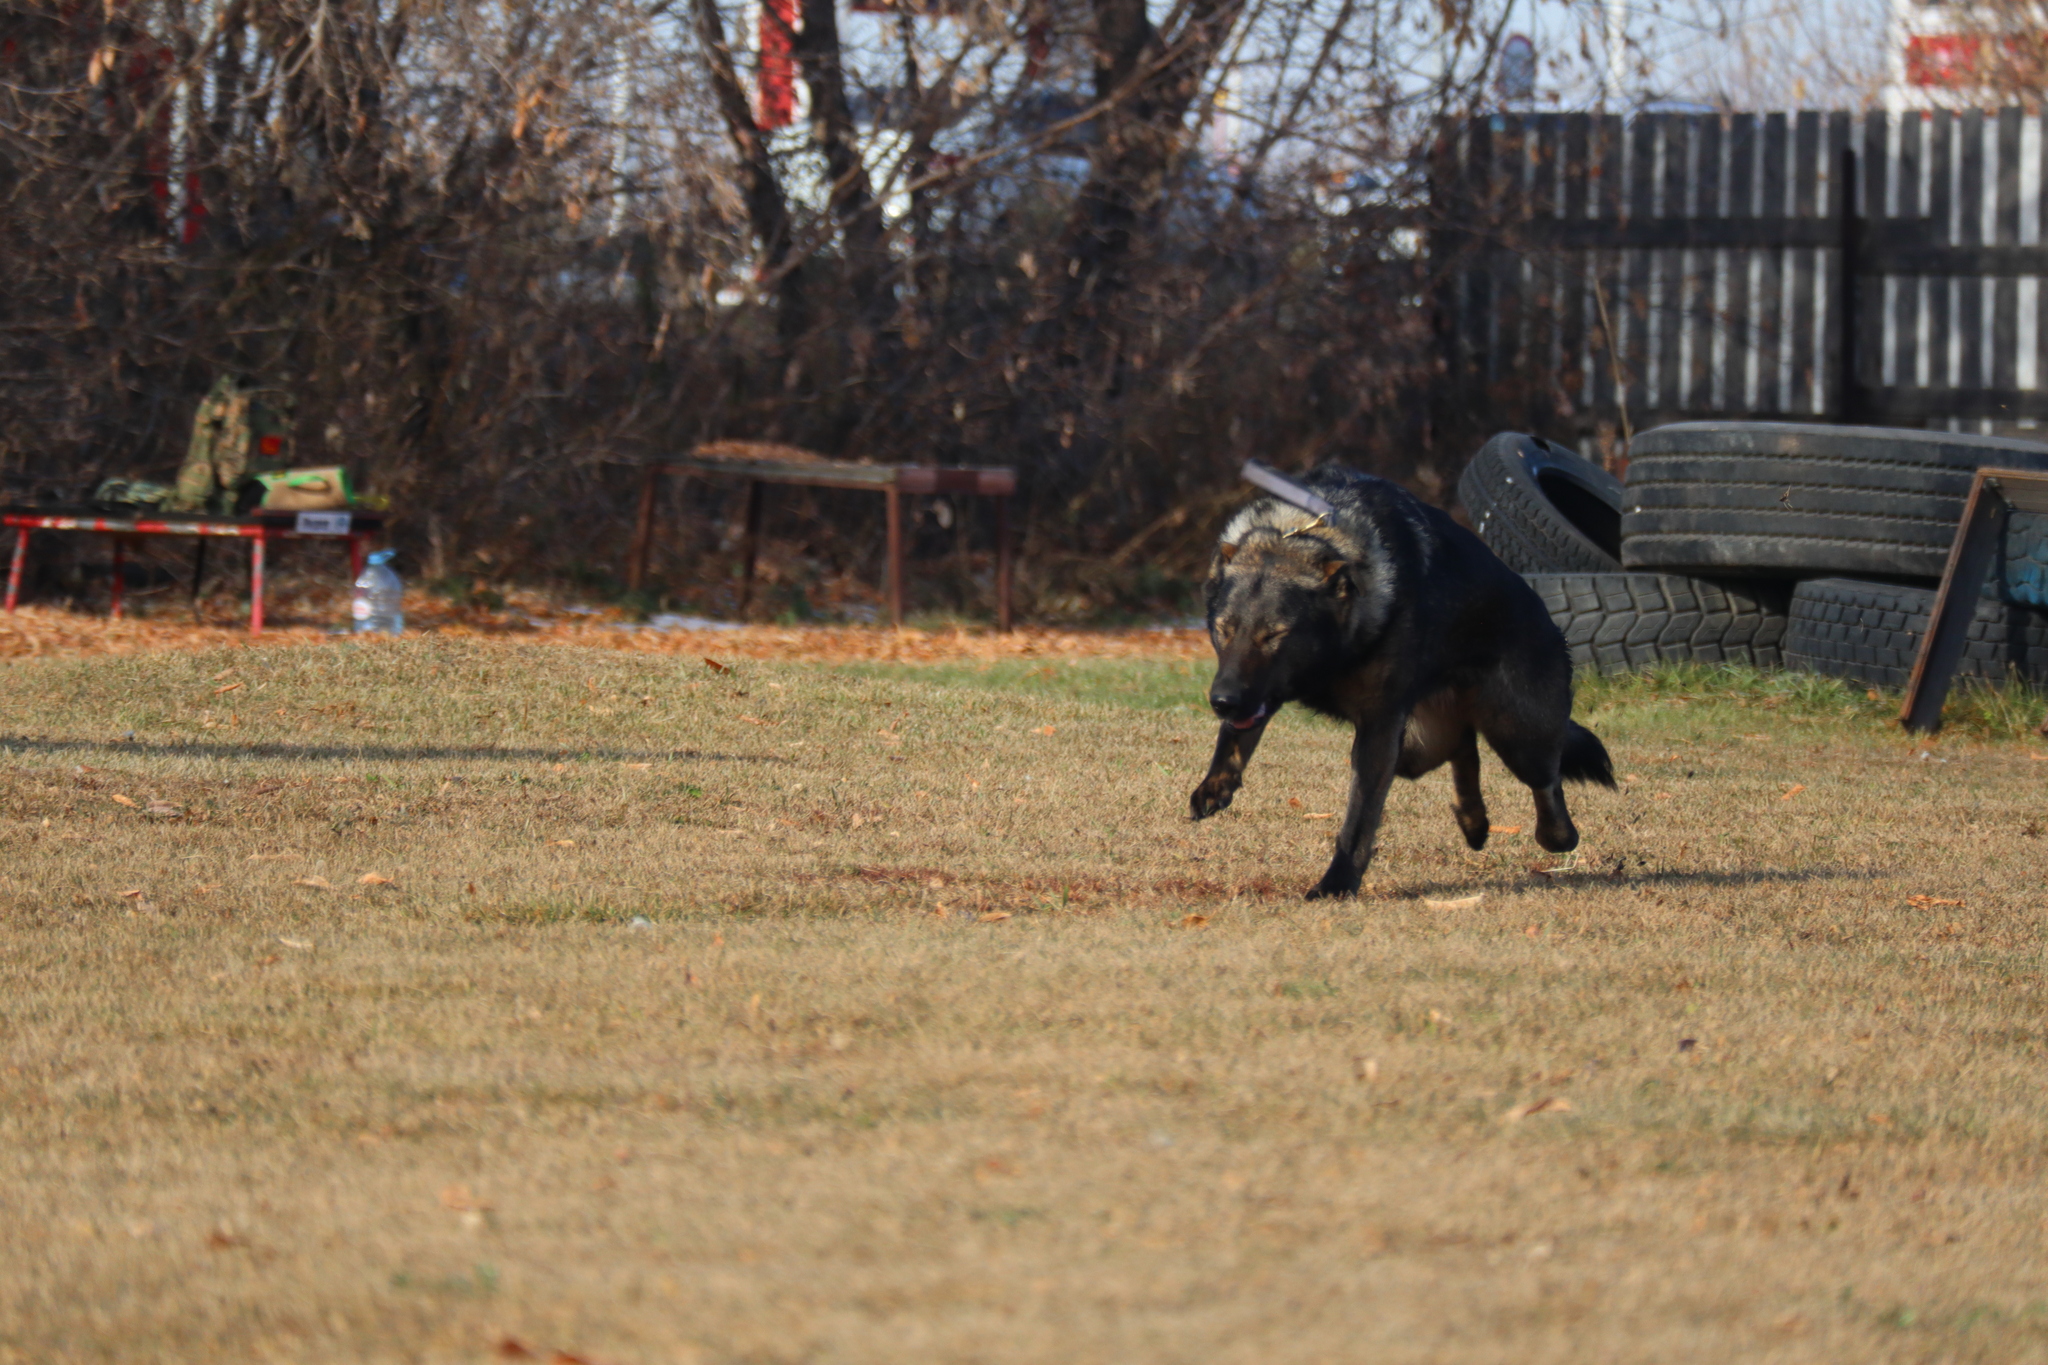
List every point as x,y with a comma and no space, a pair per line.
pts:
1636,322
1937,359
1867,295
1674,148
1609,147
2005,294
1738,324
1809,168
1477,319
1906,299
1542,268
1703,268
1574,373
1970,196
1770,296
1509,212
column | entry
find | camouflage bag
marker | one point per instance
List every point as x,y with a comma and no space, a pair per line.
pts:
236,430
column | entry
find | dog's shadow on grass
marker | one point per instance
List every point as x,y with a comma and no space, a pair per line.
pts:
372,753
1593,878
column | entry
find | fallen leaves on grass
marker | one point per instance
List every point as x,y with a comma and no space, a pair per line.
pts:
164,810
1193,921
318,883
756,720
1929,902
375,879
1549,1104
1794,790
995,916
229,688
1455,903
1045,730
461,1199
300,943
1319,815
1504,829
269,857
715,666
123,800
561,843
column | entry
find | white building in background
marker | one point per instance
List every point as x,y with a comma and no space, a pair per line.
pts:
1932,61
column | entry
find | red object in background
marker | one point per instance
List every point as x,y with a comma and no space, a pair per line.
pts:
1942,59
777,80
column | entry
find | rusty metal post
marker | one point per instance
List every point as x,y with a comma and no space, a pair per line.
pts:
1003,563
643,531
895,497
753,543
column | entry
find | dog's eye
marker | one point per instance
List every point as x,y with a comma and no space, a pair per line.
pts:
1272,637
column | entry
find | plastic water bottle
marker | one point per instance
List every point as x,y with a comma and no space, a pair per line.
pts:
376,604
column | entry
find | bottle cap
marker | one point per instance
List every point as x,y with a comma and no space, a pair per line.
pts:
382,556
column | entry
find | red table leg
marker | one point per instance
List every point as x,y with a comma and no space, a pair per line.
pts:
120,572
355,559
256,584
14,568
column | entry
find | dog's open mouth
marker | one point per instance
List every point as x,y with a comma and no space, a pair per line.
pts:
1257,717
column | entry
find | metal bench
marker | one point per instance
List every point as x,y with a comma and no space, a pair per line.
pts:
762,463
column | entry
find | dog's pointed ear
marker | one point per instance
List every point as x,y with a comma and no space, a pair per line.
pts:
1225,551
1335,578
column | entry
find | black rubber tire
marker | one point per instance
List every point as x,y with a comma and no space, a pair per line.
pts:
1543,508
1870,632
1789,500
1619,622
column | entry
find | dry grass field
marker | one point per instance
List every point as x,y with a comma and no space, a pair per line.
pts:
450,1000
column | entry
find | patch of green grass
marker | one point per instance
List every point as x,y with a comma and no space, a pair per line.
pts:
1144,684
1976,709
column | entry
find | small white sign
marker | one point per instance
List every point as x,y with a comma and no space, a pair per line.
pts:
323,523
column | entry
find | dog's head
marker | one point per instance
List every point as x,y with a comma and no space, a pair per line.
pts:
1290,598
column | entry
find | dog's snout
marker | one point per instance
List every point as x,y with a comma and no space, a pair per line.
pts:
1235,707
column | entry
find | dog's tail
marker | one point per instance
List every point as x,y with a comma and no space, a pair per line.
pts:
1585,757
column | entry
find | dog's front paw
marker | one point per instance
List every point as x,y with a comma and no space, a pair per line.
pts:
1213,795
1343,879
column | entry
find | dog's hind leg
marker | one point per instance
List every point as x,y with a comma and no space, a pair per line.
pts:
1554,827
1470,807
1234,749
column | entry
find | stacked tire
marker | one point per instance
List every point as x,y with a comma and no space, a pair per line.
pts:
1814,547
1556,518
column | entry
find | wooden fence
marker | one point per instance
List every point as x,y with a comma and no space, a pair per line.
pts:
1808,266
